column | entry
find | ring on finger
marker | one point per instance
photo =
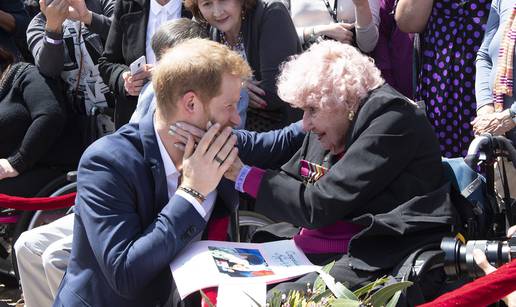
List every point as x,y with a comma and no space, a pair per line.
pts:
218,160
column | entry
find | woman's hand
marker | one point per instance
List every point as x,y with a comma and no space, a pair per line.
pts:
338,31
486,109
204,165
234,170
6,170
133,84
79,11
55,13
496,123
481,261
184,130
255,101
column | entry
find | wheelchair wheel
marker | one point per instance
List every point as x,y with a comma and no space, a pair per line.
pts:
32,219
249,222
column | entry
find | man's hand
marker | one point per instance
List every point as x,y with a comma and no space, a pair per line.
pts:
133,84
204,165
78,11
496,123
6,170
184,130
481,261
56,13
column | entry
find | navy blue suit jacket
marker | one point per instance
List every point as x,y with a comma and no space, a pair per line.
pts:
270,150
126,229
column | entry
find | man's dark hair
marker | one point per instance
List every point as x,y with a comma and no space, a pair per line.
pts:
175,31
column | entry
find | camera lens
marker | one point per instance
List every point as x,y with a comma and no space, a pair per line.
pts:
459,259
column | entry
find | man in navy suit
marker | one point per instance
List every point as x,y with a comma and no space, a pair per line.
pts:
140,199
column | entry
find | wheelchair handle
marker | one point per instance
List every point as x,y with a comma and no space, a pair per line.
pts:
476,148
487,145
505,144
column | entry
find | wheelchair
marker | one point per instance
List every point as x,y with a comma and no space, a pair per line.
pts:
483,213
16,218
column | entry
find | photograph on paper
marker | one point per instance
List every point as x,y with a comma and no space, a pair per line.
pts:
240,262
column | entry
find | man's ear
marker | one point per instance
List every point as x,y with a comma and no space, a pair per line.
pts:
188,102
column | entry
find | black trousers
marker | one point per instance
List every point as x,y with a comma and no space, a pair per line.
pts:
31,182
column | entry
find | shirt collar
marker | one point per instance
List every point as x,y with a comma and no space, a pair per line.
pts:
170,7
170,168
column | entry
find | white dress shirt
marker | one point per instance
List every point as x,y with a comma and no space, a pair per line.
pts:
157,16
206,208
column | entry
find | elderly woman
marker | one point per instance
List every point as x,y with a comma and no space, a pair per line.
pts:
263,33
366,186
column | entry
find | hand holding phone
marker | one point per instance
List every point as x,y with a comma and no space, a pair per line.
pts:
138,65
138,75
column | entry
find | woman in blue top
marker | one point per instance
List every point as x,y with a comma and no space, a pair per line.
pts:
495,71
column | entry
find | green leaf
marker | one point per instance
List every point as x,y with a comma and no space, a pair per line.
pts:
367,288
206,299
319,285
276,299
342,302
296,298
318,297
380,297
337,288
394,299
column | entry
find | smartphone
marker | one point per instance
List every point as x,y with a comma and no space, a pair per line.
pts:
137,65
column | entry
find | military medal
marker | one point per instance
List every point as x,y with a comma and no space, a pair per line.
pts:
311,172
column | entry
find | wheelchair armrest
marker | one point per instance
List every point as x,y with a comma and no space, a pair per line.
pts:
427,261
71,176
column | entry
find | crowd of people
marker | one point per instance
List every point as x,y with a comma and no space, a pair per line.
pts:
331,116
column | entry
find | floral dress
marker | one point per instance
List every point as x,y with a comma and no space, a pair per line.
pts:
446,77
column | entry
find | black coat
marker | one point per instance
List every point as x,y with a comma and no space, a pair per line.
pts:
390,180
125,43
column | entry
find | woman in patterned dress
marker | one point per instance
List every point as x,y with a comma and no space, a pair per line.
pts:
451,34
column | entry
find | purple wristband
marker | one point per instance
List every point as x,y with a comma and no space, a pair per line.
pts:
53,41
239,183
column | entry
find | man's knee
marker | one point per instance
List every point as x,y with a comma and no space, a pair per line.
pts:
55,257
28,244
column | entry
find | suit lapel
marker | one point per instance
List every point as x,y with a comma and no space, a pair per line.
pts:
152,156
